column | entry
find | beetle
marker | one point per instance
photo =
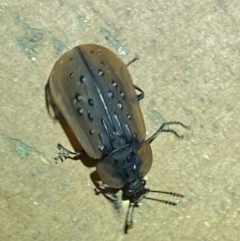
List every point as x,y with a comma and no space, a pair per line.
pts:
92,89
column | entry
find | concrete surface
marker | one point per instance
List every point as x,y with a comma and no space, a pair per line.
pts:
189,68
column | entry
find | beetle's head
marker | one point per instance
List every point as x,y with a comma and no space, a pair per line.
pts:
135,190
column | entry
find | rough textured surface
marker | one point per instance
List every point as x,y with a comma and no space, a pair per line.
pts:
189,68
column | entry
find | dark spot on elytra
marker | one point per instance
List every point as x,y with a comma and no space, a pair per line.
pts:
82,78
101,148
110,94
100,72
90,117
119,105
129,116
114,83
90,102
78,97
91,131
122,94
80,111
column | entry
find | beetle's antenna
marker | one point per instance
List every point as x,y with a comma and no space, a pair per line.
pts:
164,201
129,217
168,193
132,205
161,129
161,201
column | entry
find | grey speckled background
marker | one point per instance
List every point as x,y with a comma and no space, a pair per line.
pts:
189,69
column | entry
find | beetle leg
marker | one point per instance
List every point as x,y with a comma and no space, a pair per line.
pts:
141,95
133,60
65,153
48,102
161,129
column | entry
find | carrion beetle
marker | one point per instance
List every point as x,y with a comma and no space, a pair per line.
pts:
92,88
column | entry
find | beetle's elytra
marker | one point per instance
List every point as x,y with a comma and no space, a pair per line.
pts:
93,90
